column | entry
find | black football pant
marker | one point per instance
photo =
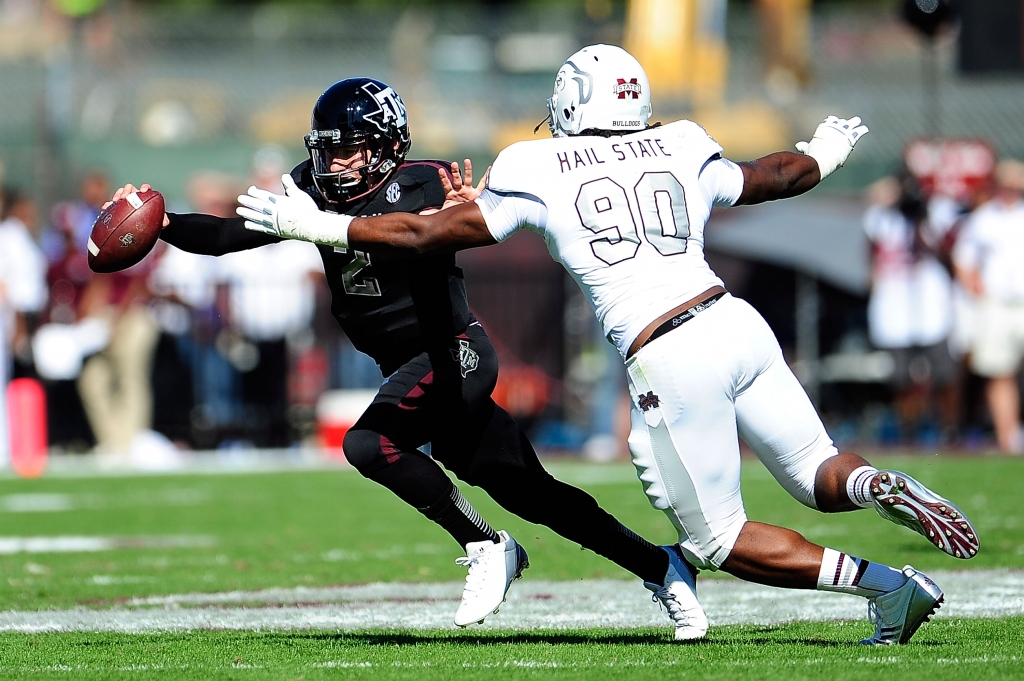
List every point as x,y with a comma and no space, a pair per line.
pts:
444,398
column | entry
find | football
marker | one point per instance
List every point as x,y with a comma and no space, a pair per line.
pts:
126,231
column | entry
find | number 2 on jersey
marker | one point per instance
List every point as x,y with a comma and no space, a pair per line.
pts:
353,283
604,209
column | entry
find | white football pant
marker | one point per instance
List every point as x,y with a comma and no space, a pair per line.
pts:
718,375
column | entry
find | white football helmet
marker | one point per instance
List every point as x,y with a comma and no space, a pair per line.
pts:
600,87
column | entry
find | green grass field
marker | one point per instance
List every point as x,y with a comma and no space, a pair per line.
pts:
175,534
975,649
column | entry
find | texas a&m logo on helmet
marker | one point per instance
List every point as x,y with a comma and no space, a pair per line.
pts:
391,109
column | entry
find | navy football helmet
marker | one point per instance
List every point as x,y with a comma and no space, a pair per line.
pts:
359,133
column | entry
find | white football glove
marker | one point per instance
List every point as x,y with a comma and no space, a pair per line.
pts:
292,215
832,142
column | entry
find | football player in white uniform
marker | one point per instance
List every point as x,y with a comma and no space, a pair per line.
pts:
622,205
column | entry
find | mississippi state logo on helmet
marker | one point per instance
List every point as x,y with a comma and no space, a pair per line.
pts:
624,89
359,133
601,87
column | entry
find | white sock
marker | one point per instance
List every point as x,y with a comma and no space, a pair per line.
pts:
858,486
850,575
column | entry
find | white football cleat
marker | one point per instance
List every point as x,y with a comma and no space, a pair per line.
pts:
904,501
492,568
898,614
678,593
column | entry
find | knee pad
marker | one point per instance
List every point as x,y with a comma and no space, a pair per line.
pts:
363,449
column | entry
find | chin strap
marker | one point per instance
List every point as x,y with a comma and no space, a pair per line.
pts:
547,119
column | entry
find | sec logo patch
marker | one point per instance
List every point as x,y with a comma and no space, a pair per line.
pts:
394,193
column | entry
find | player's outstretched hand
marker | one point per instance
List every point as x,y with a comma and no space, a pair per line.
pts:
832,142
460,189
277,214
130,189
292,215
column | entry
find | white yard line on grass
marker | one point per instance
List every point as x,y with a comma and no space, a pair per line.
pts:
531,605
77,544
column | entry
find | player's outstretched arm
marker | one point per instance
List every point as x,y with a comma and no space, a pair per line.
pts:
785,174
449,230
200,233
777,176
294,215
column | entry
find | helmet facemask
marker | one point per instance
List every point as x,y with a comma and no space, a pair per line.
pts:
359,134
348,166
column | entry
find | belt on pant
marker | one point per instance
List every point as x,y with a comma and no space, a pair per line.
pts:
680,319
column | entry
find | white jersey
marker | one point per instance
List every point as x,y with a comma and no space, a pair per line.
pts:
625,215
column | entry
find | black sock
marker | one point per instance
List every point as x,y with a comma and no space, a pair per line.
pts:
420,482
460,519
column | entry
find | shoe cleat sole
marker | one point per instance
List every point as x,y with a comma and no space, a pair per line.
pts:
901,499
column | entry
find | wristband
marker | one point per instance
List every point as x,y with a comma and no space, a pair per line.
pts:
327,229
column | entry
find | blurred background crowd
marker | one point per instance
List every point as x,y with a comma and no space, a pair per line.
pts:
894,288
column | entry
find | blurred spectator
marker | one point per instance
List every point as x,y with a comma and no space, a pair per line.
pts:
266,298
910,307
197,391
272,296
268,164
65,339
308,349
22,289
184,297
74,219
115,383
69,274
987,258
214,193
216,383
25,289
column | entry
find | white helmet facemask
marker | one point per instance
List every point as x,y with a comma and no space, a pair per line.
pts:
600,87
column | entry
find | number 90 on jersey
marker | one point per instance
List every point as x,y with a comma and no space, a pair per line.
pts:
604,208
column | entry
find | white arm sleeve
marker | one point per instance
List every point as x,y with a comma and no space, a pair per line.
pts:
505,213
721,181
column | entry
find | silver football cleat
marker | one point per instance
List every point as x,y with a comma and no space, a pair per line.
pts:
899,613
904,501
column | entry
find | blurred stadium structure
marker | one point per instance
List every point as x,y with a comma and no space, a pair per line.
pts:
161,90
154,92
